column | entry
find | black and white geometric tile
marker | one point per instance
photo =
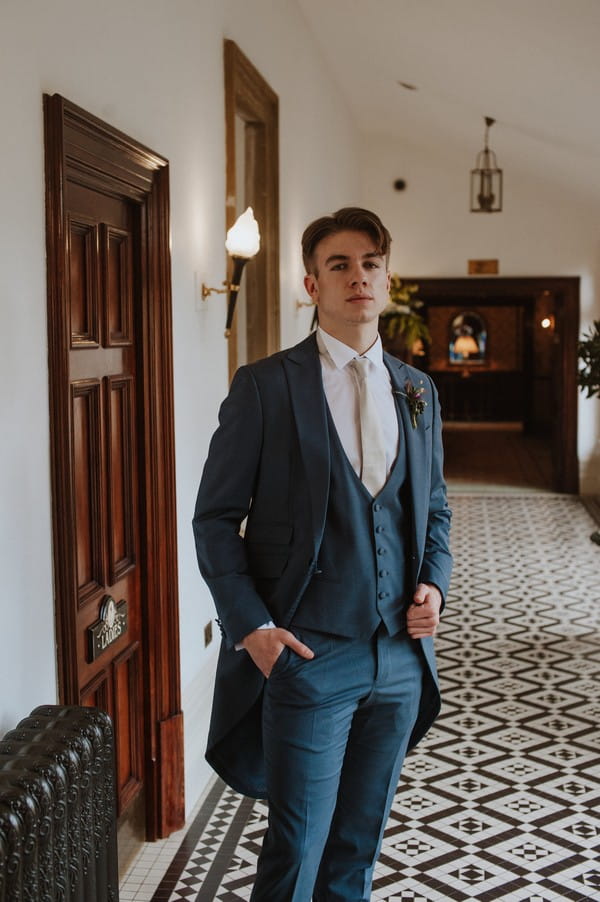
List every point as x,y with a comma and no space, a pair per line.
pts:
501,801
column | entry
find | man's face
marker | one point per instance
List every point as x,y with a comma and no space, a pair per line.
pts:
352,285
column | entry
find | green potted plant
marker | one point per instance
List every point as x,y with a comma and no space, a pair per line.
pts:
402,323
588,350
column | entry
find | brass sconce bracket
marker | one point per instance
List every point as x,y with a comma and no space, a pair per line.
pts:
207,290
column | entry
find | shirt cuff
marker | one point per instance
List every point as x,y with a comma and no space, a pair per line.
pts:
264,626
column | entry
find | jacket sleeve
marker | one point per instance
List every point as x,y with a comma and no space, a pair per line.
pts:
223,501
437,560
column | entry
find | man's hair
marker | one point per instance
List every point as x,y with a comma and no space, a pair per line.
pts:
352,219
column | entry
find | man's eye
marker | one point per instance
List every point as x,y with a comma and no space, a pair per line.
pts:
338,266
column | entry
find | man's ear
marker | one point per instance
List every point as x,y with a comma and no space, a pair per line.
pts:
310,283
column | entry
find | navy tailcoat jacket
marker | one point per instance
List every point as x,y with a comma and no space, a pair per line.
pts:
270,450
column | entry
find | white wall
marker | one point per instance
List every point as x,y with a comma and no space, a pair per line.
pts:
546,228
152,68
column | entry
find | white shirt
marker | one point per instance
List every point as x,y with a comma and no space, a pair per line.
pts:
341,391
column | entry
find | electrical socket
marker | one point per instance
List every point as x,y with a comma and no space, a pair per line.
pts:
208,634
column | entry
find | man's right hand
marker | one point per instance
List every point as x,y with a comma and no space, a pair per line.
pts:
265,645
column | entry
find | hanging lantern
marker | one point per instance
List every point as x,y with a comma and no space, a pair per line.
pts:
486,179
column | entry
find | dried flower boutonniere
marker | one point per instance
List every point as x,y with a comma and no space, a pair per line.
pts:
416,404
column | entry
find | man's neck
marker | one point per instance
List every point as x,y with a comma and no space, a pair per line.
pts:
359,337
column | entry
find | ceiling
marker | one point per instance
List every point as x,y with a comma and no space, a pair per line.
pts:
532,65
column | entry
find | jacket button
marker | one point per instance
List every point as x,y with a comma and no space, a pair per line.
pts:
380,529
381,551
384,572
383,594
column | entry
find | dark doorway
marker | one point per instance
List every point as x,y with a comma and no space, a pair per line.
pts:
503,355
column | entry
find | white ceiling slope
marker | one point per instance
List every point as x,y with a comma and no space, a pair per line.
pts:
533,65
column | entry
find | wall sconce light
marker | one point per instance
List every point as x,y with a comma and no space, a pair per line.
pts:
548,322
486,179
242,243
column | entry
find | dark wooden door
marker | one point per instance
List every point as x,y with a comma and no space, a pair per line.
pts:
112,449
103,262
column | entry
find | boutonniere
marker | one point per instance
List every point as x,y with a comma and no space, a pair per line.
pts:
416,404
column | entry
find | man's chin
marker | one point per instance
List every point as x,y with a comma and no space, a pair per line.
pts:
360,317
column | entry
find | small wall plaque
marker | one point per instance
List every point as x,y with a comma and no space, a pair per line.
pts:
483,267
110,627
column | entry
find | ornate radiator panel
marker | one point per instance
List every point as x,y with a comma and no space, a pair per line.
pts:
57,808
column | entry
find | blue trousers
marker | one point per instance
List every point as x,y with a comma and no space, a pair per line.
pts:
335,733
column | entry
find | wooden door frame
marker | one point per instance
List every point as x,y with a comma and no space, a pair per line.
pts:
565,290
83,149
249,96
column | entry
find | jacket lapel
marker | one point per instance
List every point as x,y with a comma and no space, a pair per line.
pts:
416,449
303,372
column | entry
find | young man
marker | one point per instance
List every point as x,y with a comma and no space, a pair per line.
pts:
329,601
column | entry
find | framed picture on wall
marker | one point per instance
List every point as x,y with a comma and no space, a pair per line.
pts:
467,344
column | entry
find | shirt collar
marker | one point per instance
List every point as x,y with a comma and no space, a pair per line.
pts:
341,354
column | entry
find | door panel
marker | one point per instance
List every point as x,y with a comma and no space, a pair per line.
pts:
83,294
126,681
97,694
122,534
104,241
117,251
86,443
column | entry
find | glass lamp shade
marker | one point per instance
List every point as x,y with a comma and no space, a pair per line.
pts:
465,345
243,238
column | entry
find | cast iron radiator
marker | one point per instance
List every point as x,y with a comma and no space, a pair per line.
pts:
58,836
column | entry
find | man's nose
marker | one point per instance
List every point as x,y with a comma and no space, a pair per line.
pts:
358,276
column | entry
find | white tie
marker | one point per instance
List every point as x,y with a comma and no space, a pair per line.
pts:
374,466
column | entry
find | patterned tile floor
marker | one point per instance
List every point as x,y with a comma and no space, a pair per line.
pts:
501,800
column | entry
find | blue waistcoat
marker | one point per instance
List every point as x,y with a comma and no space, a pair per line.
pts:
361,574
